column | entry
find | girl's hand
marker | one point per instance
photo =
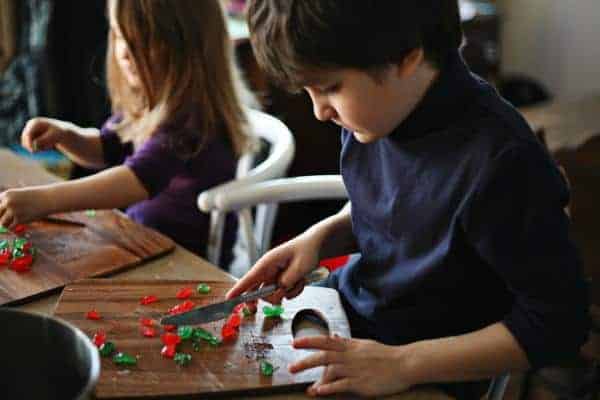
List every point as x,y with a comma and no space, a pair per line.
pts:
19,206
44,133
362,367
286,264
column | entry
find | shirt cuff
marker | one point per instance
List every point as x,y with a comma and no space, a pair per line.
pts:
548,337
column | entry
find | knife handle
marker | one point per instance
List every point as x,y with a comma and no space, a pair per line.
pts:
312,277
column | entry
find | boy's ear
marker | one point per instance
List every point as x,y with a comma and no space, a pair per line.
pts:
410,63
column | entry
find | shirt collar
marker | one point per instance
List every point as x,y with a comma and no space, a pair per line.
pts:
444,101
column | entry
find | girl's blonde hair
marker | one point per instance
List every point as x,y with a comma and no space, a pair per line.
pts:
184,59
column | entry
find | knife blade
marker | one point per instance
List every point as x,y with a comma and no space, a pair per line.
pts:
221,310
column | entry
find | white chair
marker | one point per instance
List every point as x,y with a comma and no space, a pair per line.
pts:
281,154
305,188
257,231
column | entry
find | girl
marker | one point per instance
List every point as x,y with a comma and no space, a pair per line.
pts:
178,124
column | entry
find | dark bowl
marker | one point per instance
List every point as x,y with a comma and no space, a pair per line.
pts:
45,358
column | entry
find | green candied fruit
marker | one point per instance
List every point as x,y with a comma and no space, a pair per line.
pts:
124,359
3,229
17,253
107,349
90,213
246,312
196,346
203,334
182,359
273,312
185,332
4,244
203,288
19,243
266,368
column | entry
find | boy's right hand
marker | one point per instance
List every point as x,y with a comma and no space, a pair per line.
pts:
286,264
44,133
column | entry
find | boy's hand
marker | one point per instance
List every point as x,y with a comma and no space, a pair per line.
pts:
363,367
286,264
44,133
19,206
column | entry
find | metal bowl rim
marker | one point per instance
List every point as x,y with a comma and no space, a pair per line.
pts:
95,358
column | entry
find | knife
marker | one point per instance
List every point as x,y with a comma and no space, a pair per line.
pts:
217,311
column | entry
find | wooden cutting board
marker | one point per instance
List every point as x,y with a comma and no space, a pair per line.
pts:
232,367
74,246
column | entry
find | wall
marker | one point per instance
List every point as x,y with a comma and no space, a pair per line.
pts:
555,41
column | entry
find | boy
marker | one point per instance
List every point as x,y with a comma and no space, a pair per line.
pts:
466,269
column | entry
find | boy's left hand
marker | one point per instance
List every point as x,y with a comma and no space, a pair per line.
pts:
19,206
363,367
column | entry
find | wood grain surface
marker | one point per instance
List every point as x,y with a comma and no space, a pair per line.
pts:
179,264
74,246
225,370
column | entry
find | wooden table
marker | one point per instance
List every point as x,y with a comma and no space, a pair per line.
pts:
180,264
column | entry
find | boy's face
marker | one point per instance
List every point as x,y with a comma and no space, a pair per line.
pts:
355,100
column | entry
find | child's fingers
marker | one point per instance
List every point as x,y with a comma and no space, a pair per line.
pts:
339,386
27,143
253,278
46,141
294,274
295,291
263,271
34,128
252,305
321,342
291,276
7,220
321,358
276,297
40,134
238,288
331,373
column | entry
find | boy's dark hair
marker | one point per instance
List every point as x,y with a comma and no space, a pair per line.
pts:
294,37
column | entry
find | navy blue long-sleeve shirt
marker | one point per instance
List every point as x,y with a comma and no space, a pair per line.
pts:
459,217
